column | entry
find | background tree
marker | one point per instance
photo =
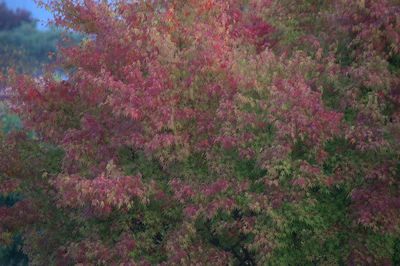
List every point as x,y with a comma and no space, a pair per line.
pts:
22,45
10,19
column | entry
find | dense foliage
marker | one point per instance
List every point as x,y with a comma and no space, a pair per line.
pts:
210,132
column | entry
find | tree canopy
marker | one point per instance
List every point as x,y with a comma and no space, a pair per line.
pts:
210,132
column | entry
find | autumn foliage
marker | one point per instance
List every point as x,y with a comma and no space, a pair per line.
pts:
210,132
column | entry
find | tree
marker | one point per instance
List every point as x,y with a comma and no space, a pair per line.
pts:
211,132
10,19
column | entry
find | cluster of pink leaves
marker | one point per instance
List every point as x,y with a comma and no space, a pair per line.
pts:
376,204
300,113
101,194
94,251
196,253
374,24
